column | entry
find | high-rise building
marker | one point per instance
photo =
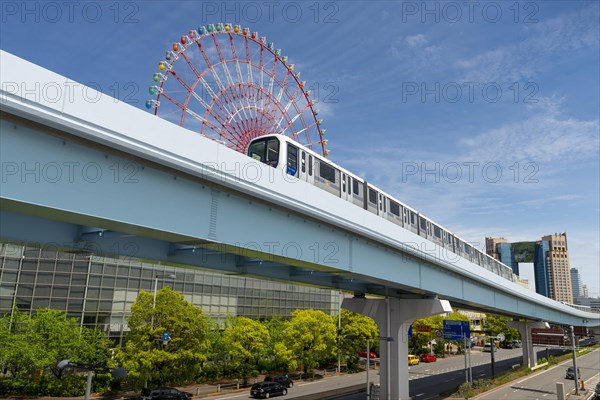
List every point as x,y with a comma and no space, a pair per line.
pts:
99,291
559,270
501,250
584,290
576,283
550,259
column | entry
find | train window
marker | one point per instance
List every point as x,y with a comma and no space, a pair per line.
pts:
394,208
467,249
310,165
354,186
272,152
412,218
303,162
344,183
327,172
265,150
292,160
437,232
372,196
423,223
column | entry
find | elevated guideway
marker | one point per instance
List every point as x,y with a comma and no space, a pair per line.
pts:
82,171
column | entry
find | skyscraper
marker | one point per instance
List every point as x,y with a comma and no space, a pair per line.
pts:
559,274
576,283
550,257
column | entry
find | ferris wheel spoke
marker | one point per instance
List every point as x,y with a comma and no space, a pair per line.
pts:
189,63
230,102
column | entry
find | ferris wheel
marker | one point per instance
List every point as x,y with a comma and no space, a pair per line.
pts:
231,85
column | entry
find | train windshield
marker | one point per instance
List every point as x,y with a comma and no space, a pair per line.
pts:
265,150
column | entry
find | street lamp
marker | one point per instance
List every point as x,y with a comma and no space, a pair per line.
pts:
386,338
156,277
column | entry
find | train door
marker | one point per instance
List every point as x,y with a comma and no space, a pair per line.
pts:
292,160
303,173
346,188
310,177
372,200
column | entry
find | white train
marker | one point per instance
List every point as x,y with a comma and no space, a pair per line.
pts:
281,152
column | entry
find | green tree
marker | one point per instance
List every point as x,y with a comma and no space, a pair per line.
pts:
177,362
356,328
247,341
308,337
46,337
498,324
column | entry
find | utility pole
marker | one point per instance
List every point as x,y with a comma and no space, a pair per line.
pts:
574,348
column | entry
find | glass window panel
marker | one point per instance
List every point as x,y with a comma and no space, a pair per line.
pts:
7,290
59,291
63,266
91,305
105,306
80,267
11,264
45,277
135,272
58,304
108,281
106,294
42,290
93,293
122,271
40,303
96,268
62,279
78,279
27,277
76,292
94,281
29,265
47,266
75,304
110,269
9,277
121,282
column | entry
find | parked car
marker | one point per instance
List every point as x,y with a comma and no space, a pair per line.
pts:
363,354
427,358
164,393
570,373
488,347
282,379
597,391
517,344
413,360
267,390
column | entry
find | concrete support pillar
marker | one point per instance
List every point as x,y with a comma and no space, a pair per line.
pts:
524,328
394,316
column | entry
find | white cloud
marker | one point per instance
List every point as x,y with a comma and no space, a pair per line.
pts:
416,40
553,38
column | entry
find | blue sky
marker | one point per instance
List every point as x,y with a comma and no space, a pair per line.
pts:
483,117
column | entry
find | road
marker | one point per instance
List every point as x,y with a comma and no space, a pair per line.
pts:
543,385
436,380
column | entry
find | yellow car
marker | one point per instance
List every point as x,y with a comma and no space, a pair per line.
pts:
413,360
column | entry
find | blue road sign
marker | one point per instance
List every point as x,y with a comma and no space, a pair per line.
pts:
410,331
456,330
166,337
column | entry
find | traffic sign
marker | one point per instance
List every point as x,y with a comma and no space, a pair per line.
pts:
166,336
500,337
456,330
439,334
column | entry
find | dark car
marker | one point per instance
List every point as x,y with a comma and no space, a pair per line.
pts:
164,393
570,373
282,379
427,358
266,390
597,391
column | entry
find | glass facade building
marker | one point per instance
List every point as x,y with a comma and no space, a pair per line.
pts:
99,291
